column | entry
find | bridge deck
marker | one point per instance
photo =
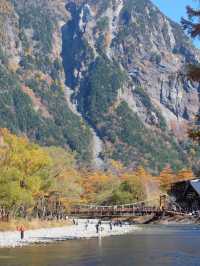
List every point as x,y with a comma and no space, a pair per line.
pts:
126,212
135,209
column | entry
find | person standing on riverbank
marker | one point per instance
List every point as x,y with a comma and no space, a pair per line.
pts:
21,229
110,226
97,228
86,225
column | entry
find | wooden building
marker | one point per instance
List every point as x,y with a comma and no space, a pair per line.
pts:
187,194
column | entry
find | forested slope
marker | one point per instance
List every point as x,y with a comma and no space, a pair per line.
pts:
99,78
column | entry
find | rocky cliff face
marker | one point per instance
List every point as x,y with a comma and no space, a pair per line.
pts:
149,47
100,77
34,98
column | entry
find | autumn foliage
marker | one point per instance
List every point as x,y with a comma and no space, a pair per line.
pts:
45,182
167,177
5,7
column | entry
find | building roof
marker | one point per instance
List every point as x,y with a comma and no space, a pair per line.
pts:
196,185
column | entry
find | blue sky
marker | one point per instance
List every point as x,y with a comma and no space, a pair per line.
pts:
175,9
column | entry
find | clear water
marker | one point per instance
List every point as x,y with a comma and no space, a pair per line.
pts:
152,246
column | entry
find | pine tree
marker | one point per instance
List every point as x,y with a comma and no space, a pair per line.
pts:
192,26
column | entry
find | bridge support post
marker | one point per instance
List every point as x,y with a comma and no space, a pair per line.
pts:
162,202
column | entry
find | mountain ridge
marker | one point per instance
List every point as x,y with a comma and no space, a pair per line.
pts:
106,65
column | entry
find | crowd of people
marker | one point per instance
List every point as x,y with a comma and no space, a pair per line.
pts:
99,225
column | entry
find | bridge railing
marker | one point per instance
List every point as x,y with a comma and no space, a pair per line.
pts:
114,210
135,208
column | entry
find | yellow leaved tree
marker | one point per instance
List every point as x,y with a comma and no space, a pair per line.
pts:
23,167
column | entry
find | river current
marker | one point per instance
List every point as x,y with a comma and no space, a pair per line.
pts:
150,246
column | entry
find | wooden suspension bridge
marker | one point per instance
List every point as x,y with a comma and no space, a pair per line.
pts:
165,206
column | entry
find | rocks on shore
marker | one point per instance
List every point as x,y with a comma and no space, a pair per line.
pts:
49,235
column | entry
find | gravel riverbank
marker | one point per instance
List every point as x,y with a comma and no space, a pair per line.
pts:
48,235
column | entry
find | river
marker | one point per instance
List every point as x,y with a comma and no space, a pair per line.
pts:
151,246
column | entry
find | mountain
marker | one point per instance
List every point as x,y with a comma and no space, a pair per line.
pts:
100,77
